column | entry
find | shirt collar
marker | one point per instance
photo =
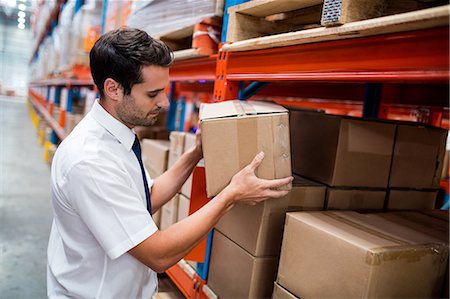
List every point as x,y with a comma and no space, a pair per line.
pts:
124,134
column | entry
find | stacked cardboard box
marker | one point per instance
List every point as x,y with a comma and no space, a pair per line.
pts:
234,132
251,236
155,158
169,212
183,207
153,132
189,142
178,208
155,154
417,164
176,146
352,255
368,164
351,156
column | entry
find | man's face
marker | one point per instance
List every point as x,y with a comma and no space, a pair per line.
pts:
147,99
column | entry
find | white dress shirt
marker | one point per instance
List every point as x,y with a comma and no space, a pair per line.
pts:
99,214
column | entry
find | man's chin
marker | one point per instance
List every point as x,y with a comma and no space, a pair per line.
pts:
150,122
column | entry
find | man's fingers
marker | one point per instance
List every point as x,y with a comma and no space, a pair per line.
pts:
276,193
276,183
257,161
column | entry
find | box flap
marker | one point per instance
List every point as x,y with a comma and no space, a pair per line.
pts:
238,108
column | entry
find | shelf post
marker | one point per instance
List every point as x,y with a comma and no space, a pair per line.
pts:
372,99
223,88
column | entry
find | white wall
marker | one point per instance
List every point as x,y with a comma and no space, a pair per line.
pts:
15,51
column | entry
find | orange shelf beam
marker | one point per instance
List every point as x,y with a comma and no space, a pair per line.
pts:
194,69
416,56
183,280
37,102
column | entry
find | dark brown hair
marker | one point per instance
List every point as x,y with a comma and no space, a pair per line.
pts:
120,55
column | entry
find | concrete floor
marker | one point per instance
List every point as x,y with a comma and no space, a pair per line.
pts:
25,208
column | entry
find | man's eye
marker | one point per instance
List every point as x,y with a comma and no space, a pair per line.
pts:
152,95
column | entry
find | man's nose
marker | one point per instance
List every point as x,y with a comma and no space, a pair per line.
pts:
164,102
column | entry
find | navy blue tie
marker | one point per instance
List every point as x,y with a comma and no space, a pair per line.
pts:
137,151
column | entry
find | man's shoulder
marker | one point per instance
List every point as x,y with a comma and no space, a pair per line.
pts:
86,142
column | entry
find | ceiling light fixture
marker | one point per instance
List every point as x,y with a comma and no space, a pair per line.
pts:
21,6
21,26
21,20
21,14
11,3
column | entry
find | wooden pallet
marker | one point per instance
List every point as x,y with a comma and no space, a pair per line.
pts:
415,20
193,41
260,18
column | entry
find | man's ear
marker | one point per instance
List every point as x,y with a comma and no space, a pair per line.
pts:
112,89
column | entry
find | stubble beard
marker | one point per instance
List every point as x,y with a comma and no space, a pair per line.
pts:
130,114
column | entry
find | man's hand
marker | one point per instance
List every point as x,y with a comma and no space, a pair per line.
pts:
198,143
165,248
246,187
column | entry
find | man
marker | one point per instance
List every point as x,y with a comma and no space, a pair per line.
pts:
104,243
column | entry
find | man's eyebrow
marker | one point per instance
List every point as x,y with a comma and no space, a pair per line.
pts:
156,90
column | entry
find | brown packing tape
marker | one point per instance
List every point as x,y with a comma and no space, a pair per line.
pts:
351,199
441,160
358,226
247,140
282,150
266,143
405,250
239,109
412,253
248,108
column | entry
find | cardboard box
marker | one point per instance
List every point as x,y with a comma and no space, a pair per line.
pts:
433,223
183,207
157,218
169,213
411,199
153,132
264,221
189,142
234,273
155,154
341,151
419,222
281,293
352,255
440,214
445,166
306,195
176,146
263,225
234,132
355,199
418,157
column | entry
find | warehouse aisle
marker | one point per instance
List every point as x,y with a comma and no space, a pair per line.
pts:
25,208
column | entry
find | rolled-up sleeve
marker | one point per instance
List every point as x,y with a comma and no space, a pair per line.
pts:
109,205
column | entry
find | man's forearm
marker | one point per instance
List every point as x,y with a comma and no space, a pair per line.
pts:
165,248
169,183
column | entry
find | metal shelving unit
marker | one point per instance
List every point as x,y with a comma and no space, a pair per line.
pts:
366,76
